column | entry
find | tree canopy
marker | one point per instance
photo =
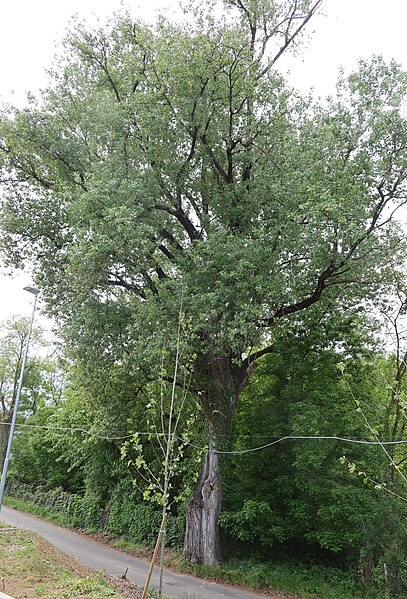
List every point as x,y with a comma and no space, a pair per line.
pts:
174,159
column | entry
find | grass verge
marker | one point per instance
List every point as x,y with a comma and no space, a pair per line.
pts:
37,510
32,568
292,579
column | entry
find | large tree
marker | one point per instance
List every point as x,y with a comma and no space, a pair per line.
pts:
174,160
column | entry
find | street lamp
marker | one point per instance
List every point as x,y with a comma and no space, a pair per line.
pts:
35,292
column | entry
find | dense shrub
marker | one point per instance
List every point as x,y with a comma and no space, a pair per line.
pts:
138,521
81,511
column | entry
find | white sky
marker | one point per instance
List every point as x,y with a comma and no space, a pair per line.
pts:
29,30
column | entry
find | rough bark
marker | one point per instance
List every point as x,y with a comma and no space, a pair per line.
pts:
201,545
225,381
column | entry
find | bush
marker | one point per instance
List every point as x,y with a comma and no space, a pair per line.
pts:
137,521
140,521
80,511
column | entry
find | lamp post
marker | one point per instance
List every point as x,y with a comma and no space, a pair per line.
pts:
35,292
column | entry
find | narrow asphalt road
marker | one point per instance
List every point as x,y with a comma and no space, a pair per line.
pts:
113,562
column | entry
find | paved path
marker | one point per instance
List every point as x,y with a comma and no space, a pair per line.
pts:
113,562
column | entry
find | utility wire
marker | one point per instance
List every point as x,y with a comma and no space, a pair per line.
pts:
77,430
390,458
306,437
239,452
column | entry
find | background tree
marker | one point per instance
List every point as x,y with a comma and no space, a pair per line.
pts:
296,498
136,178
396,411
36,384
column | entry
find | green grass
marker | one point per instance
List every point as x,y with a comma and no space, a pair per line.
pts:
37,510
315,582
89,586
311,583
30,567
128,546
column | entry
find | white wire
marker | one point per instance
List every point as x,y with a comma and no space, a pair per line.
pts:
79,430
309,437
251,450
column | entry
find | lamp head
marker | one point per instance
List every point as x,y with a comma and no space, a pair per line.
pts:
32,290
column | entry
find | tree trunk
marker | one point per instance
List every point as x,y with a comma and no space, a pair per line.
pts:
201,545
225,381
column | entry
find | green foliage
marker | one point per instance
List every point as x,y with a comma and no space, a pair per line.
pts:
164,462
140,521
254,522
37,509
37,455
298,497
382,558
126,515
41,381
308,581
135,180
75,510
89,587
227,185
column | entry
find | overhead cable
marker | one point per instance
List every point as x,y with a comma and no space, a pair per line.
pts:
238,452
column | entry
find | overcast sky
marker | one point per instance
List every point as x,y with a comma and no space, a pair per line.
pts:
29,31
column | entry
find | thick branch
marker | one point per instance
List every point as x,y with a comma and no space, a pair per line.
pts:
256,355
118,281
182,218
308,301
167,235
216,163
